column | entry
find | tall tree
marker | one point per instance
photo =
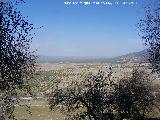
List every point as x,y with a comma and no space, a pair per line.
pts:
17,62
150,33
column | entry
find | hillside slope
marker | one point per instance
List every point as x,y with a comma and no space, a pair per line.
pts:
135,57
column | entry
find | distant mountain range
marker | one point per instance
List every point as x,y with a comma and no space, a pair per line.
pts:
69,59
135,57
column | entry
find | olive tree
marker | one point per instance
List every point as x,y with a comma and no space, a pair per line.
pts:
150,33
134,96
17,61
90,98
102,97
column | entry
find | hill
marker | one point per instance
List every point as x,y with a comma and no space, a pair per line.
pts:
135,57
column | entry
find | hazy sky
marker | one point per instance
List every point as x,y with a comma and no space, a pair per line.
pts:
79,30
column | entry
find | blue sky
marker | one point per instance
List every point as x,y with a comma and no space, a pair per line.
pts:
79,30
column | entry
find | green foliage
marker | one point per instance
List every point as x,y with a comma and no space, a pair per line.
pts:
17,62
100,97
134,96
150,33
91,95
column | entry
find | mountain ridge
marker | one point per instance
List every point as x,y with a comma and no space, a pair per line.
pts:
134,57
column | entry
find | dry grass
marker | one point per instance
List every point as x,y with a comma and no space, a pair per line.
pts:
38,113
